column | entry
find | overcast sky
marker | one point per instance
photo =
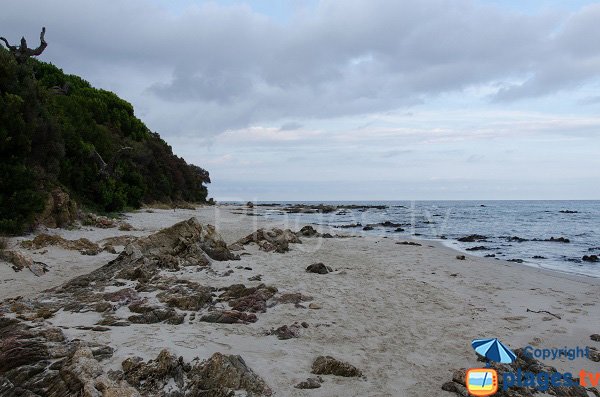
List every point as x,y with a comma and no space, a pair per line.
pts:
346,99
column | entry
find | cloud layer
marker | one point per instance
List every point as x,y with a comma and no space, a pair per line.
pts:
225,67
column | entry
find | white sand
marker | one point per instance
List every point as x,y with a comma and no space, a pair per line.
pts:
392,310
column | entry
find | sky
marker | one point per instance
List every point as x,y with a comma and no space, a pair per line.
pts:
348,99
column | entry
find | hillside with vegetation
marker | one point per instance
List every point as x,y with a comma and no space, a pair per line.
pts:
59,132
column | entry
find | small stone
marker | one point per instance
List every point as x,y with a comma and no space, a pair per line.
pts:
461,257
327,365
310,383
315,306
595,337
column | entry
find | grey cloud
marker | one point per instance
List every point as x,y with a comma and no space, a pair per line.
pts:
290,126
215,67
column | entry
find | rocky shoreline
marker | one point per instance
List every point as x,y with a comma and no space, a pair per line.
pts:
268,310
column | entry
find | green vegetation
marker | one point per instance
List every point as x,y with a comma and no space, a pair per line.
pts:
53,126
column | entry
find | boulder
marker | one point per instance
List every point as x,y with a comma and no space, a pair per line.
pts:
276,240
473,238
318,268
327,365
310,383
60,210
229,317
222,374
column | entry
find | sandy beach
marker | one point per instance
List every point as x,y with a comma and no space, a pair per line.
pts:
403,314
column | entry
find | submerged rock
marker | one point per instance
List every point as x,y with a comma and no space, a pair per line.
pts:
473,238
327,365
590,258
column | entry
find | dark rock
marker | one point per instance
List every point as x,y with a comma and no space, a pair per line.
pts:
229,317
568,212
350,226
271,240
222,374
186,296
590,258
558,240
293,297
478,248
327,365
367,228
308,231
516,239
473,238
318,268
399,229
287,332
595,337
461,257
539,257
490,256
157,315
516,260
243,299
309,383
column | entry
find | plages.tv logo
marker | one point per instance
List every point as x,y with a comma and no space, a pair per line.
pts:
484,381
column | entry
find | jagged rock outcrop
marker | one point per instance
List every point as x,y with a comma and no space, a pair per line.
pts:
327,365
60,210
20,262
277,240
83,245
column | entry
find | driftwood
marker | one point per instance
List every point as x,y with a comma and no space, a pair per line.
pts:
108,170
543,311
22,53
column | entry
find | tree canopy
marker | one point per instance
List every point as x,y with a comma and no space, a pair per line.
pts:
57,130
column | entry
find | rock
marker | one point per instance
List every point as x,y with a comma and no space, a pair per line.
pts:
318,268
308,231
83,245
408,243
277,240
224,373
287,332
157,315
253,299
293,297
315,306
473,238
516,239
594,354
309,383
538,257
367,228
590,258
568,212
229,317
153,376
250,204
461,257
258,277
595,337
350,226
516,260
327,365
20,262
558,240
125,227
478,248
186,296
60,210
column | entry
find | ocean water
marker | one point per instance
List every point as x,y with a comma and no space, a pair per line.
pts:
497,220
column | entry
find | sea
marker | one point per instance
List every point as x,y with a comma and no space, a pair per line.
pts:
528,232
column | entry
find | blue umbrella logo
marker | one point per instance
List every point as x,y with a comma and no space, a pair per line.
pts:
493,350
